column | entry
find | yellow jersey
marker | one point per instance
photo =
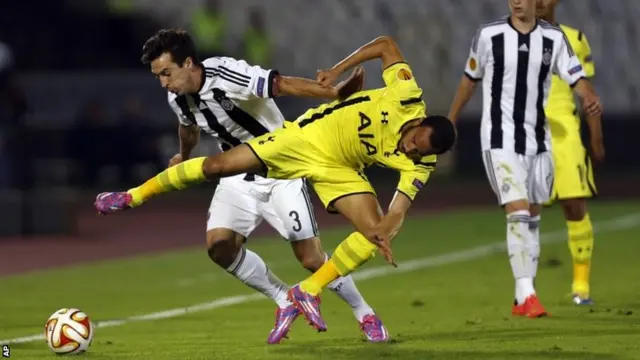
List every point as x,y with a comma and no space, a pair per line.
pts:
365,129
561,108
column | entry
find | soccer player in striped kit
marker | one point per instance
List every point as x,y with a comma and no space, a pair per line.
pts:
233,102
513,58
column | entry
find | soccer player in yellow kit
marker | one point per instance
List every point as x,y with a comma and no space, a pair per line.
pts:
330,145
573,170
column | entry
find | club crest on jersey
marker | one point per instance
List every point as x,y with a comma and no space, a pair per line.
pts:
227,104
546,56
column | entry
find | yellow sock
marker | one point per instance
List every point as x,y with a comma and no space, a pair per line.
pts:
581,246
354,251
176,177
315,283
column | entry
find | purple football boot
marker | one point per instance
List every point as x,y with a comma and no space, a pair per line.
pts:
110,202
284,319
309,306
373,329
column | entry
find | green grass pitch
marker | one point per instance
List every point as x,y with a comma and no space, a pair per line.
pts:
453,302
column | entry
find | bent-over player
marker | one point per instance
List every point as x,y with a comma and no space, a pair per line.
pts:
232,101
330,145
513,58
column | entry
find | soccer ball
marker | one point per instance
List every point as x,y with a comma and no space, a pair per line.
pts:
68,331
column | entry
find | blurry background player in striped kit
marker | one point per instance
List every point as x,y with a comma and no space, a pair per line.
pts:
513,58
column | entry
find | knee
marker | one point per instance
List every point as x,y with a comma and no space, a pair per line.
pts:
519,205
213,166
574,210
313,262
222,250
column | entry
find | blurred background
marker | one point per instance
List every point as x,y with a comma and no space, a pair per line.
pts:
79,114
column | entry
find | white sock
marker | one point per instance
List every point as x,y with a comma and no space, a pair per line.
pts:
525,286
346,289
249,268
534,244
521,262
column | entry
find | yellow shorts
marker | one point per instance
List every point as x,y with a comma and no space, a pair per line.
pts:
287,155
573,170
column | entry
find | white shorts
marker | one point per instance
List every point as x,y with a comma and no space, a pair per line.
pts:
519,177
241,206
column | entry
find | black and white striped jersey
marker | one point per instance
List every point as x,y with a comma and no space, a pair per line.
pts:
515,70
234,104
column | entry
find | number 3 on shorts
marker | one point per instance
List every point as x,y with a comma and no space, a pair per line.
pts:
296,217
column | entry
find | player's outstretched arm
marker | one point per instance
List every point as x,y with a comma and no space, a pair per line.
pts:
189,137
302,87
391,223
398,209
383,47
473,72
465,91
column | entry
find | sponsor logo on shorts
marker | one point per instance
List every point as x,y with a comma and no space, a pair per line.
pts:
260,89
575,69
505,188
418,184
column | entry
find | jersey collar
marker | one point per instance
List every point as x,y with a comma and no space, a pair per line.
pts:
516,30
203,78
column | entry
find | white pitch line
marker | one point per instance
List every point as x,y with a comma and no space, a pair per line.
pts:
622,223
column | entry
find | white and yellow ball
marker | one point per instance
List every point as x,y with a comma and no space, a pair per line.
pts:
68,331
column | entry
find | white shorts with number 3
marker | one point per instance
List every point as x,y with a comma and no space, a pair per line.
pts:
241,206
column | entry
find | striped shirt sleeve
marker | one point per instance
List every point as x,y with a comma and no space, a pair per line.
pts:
567,64
474,68
241,80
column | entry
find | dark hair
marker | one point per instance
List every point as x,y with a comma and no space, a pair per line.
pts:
444,133
176,42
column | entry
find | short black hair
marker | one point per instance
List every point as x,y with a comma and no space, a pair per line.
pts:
444,133
176,42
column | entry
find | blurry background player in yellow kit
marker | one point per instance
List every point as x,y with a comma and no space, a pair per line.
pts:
573,170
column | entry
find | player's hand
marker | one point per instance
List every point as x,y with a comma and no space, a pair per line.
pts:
386,231
353,84
592,105
328,77
175,160
597,150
